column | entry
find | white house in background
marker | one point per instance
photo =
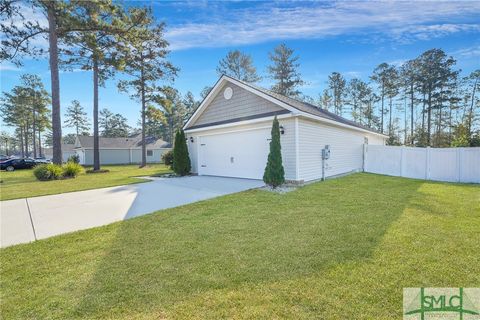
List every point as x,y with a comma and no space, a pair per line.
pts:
67,151
120,150
229,135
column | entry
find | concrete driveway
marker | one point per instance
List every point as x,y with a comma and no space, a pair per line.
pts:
26,220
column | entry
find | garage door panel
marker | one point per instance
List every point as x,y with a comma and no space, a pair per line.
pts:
236,154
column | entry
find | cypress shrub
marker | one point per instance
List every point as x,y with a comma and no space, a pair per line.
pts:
274,173
181,160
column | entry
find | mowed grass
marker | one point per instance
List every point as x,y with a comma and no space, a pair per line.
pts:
340,249
23,184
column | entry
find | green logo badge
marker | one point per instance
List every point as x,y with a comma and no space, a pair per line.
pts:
441,303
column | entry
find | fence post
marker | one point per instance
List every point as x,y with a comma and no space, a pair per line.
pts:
402,160
459,155
365,150
427,164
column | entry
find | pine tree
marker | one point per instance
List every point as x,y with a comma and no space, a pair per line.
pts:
181,160
337,86
274,173
76,118
238,65
284,70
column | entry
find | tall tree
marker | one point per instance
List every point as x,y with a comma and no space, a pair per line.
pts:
410,76
105,120
98,50
437,77
39,101
24,108
472,94
238,65
326,100
20,34
76,118
337,86
384,76
284,71
357,91
146,63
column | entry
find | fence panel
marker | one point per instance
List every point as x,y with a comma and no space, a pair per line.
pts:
381,162
414,163
441,164
470,165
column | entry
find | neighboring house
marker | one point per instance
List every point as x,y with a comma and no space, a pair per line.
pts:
67,151
229,135
120,150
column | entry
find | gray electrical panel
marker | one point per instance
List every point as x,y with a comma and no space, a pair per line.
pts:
326,152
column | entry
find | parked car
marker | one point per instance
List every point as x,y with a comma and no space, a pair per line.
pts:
42,160
14,164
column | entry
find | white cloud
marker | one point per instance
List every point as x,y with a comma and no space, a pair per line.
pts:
468,52
403,21
7,66
353,74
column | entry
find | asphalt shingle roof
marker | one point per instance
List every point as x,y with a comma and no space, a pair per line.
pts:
305,107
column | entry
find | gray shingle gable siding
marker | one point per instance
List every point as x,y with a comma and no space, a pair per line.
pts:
242,104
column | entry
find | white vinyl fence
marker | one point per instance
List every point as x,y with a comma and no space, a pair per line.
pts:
442,164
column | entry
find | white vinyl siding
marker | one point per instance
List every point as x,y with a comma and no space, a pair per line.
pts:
123,156
287,141
346,147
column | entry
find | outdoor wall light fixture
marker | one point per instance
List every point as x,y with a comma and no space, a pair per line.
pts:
282,130
191,139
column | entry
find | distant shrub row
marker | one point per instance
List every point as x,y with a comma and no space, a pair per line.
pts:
52,171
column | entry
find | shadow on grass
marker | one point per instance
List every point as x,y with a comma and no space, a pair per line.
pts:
161,260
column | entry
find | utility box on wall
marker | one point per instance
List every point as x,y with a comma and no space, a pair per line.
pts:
326,152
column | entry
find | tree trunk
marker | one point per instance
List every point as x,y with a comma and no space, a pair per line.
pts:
34,138
429,117
144,146
26,139
22,148
390,118
55,83
411,114
382,111
470,114
39,143
96,149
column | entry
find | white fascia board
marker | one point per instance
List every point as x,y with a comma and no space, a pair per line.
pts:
238,123
215,90
206,101
339,124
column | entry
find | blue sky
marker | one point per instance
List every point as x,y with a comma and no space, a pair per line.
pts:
349,37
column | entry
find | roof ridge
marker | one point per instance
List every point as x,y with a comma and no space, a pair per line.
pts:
326,114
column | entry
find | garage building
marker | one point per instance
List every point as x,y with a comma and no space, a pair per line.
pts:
229,135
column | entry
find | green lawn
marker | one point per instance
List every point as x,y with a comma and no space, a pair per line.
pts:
340,249
22,183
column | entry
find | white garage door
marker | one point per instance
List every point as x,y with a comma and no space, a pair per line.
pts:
237,154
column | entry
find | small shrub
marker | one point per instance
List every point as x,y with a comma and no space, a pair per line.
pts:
274,173
181,160
167,158
72,169
48,172
74,158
